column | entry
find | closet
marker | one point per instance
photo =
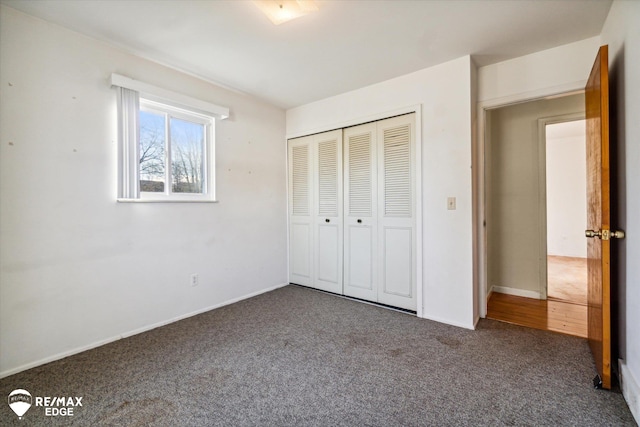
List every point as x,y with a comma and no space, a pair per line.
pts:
315,211
352,205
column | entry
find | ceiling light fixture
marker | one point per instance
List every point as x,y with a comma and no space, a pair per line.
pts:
279,11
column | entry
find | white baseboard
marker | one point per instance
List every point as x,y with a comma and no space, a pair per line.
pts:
476,320
489,293
630,389
132,332
449,322
203,310
516,292
58,356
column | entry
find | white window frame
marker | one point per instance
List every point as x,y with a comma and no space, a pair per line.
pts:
208,150
185,108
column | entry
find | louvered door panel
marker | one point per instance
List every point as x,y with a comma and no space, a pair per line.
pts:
300,218
396,226
397,171
360,174
360,239
328,241
300,179
328,178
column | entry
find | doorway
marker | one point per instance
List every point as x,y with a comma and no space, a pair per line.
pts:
566,202
515,205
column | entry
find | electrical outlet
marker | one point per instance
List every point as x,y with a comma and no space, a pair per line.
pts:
194,279
451,203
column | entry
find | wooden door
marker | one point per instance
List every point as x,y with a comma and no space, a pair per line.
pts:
396,212
360,212
598,218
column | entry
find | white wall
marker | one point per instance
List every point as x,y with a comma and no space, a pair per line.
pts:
444,93
558,70
622,33
78,269
566,168
478,268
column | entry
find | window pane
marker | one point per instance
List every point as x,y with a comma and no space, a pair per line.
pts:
152,152
187,142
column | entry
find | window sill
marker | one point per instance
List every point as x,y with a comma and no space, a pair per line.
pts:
164,201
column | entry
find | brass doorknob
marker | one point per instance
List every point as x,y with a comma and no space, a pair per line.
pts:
593,233
605,234
617,234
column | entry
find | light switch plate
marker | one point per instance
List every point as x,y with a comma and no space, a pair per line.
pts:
451,203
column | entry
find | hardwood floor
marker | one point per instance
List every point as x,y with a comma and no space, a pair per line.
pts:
549,315
567,279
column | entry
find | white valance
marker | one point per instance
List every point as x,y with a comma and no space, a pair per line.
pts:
155,93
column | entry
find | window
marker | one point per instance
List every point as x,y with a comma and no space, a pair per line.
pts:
166,144
174,148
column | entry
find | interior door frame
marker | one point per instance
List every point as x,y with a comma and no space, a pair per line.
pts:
417,109
542,186
479,184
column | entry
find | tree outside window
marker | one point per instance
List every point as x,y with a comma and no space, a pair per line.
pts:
172,149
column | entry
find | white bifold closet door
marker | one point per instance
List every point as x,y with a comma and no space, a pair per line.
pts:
315,211
379,211
396,212
361,212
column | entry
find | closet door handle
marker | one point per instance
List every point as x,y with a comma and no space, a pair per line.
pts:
359,221
327,220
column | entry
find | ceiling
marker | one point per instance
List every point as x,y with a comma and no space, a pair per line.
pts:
346,45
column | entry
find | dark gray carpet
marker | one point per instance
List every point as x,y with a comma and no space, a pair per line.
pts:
296,357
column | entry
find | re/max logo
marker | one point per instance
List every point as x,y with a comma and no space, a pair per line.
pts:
58,406
20,400
58,401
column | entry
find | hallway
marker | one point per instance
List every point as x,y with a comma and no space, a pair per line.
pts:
549,315
567,279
